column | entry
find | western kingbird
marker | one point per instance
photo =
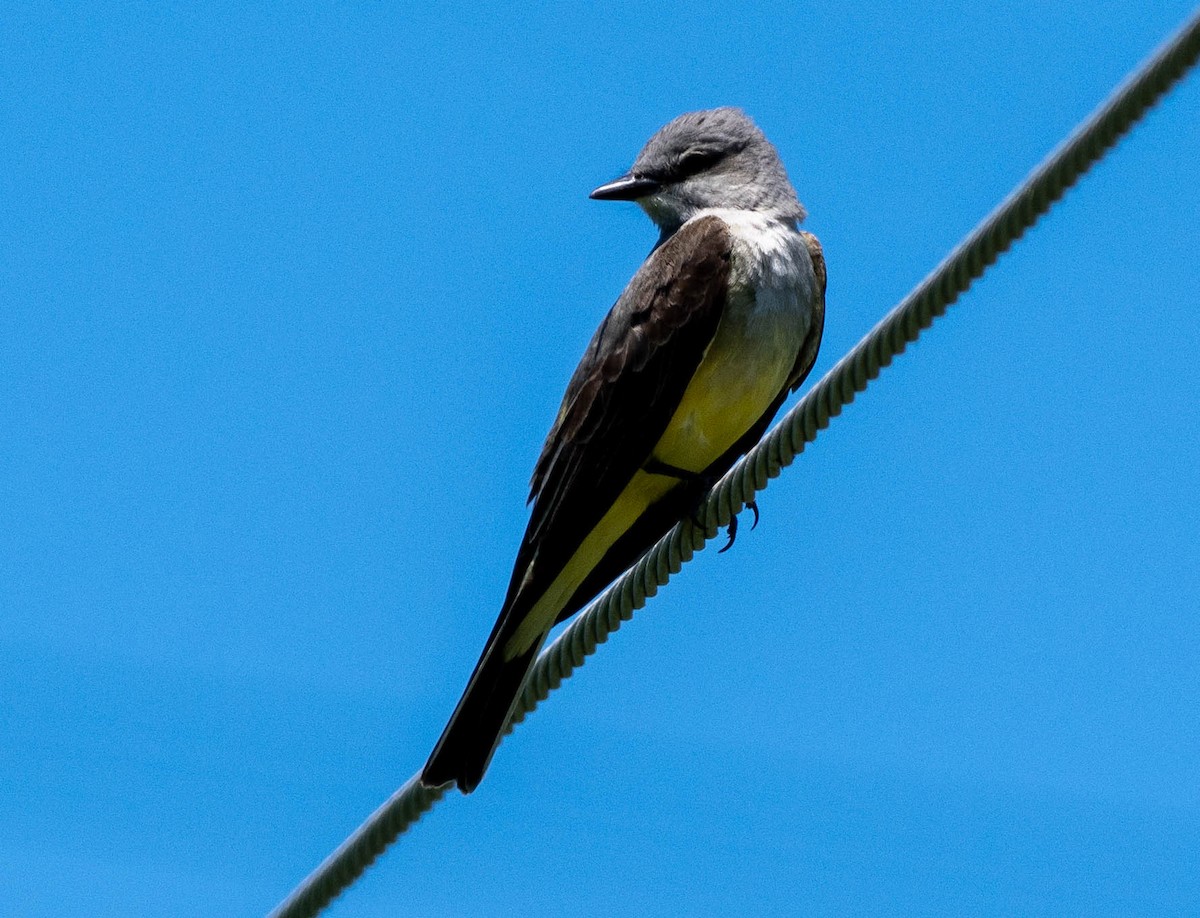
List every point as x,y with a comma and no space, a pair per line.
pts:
683,376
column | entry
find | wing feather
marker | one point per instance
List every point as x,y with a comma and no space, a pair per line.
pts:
624,392
812,342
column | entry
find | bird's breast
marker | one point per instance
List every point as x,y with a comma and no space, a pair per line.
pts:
749,362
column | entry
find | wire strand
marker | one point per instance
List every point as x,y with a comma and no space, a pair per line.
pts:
799,427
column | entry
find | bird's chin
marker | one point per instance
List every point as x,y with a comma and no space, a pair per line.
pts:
666,210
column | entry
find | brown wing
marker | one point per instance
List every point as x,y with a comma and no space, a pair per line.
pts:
617,406
655,523
624,392
812,342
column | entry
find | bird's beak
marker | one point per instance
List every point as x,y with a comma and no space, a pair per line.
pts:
628,187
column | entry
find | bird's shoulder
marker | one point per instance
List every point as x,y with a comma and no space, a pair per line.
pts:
681,284
817,256
677,281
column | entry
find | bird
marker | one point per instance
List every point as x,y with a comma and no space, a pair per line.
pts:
684,375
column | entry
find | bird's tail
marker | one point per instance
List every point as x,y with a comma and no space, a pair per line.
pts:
466,746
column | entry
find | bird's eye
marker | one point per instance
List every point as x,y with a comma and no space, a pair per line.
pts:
694,161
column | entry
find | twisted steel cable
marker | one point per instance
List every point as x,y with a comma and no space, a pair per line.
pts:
799,427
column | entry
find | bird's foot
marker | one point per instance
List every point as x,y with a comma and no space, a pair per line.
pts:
732,529
698,479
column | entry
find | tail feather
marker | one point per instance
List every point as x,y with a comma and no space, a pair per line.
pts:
466,745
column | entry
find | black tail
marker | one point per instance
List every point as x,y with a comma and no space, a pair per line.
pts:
465,749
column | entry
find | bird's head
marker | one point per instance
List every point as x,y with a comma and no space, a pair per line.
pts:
706,159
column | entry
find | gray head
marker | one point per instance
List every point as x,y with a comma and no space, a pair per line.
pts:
713,158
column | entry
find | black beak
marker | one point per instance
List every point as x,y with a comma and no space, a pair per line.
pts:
628,187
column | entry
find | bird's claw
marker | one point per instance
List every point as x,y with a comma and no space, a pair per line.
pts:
732,529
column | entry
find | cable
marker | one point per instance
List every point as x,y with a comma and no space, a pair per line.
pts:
966,262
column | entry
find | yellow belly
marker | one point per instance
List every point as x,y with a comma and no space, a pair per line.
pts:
743,371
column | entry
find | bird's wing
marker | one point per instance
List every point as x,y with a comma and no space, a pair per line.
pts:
618,404
812,342
625,391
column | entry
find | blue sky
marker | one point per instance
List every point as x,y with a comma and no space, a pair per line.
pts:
290,295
